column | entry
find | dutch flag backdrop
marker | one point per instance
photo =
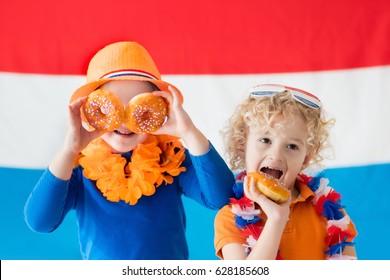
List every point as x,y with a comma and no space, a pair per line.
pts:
213,51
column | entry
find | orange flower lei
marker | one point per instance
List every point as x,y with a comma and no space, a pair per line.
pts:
152,163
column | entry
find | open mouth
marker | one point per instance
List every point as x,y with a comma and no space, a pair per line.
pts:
276,173
123,133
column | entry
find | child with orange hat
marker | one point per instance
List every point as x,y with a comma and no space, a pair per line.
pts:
275,134
126,186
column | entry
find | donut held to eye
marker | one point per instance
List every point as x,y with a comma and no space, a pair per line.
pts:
103,110
146,113
269,186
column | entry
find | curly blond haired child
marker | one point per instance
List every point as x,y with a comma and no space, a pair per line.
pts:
280,130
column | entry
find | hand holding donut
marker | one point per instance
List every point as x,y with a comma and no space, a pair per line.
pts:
77,138
274,210
178,121
269,186
180,124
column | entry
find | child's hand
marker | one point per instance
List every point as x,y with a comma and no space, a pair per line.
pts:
274,211
179,124
77,138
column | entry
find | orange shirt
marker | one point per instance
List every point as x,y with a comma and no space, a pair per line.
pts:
303,237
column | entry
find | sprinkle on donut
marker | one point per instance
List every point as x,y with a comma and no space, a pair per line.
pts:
103,110
146,113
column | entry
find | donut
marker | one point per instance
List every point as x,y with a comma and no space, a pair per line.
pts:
103,110
269,186
145,113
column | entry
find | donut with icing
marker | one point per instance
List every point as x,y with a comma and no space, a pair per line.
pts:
269,186
103,110
145,113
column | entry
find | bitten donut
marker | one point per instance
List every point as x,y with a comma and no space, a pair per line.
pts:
269,186
145,113
103,110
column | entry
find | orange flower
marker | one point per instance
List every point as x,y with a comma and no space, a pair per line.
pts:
152,163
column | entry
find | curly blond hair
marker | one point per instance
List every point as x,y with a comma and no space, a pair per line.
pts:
263,110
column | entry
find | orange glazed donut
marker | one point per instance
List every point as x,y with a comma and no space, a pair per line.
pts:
103,110
145,113
269,186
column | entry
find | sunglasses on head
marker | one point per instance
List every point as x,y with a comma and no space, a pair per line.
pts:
303,97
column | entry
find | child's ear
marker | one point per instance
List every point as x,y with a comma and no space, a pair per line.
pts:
241,152
306,161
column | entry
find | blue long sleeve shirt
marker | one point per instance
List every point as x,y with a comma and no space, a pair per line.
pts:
154,228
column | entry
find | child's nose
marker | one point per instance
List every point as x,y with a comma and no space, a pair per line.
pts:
276,153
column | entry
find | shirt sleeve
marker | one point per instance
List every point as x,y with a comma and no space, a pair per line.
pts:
226,231
48,203
207,179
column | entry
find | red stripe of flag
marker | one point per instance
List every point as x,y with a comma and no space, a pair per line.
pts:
197,37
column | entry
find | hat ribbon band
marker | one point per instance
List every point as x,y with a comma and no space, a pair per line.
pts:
119,73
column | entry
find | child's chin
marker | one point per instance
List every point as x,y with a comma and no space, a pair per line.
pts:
124,143
122,149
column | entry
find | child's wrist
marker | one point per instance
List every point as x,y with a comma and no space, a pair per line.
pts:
69,153
196,142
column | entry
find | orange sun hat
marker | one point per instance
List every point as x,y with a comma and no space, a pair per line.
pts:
121,61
